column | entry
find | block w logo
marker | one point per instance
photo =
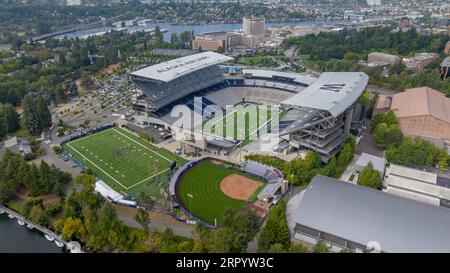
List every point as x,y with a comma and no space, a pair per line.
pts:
333,87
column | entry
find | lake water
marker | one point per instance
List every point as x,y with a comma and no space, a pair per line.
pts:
19,239
197,28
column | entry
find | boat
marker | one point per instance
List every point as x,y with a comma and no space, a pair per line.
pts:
58,243
30,226
10,216
21,222
49,238
2,211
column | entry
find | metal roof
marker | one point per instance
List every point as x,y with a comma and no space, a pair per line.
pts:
332,91
299,78
170,70
364,215
378,163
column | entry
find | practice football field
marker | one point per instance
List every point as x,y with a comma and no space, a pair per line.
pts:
125,162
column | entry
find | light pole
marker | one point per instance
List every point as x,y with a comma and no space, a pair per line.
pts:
190,203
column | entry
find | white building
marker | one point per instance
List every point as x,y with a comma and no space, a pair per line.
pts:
419,185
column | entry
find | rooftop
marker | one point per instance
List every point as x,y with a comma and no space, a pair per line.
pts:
421,101
299,78
378,163
364,215
332,91
170,70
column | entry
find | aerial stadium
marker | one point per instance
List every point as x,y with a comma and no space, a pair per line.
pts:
303,112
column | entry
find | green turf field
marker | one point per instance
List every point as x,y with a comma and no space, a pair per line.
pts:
243,123
124,161
203,183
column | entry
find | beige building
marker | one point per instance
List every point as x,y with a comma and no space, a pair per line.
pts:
210,41
238,39
420,60
254,26
423,112
379,57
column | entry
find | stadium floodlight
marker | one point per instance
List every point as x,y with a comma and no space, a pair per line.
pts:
190,203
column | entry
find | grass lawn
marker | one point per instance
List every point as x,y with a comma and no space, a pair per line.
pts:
203,183
124,161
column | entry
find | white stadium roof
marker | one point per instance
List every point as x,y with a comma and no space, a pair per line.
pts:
308,80
173,69
332,91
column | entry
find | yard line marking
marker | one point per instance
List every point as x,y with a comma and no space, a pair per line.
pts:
86,137
97,166
142,145
163,171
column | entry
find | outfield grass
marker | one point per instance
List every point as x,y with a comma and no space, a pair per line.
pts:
124,161
203,183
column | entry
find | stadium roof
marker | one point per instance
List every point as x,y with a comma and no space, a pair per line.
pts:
421,101
364,215
170,70
332,91
299,78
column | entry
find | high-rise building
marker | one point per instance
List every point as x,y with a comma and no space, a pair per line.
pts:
254,26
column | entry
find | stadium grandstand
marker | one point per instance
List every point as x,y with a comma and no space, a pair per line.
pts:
320,117
317,112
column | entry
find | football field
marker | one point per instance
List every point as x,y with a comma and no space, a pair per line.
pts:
124,161
246,122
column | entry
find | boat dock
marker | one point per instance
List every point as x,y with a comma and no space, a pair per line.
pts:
73,247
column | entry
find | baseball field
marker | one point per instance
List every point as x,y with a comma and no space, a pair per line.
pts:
208,188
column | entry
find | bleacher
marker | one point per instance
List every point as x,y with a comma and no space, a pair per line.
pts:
164,93
271,175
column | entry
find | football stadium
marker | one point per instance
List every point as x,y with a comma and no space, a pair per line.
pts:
227,109
305,112
125,162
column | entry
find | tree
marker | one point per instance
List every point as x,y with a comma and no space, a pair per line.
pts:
73,228
142,199
31,116
36,113
321,247
369,177
222,240
9,119
276,230
142,218
86,81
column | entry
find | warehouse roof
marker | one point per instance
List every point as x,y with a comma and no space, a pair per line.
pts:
364,215
332,91
170,70
421,101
